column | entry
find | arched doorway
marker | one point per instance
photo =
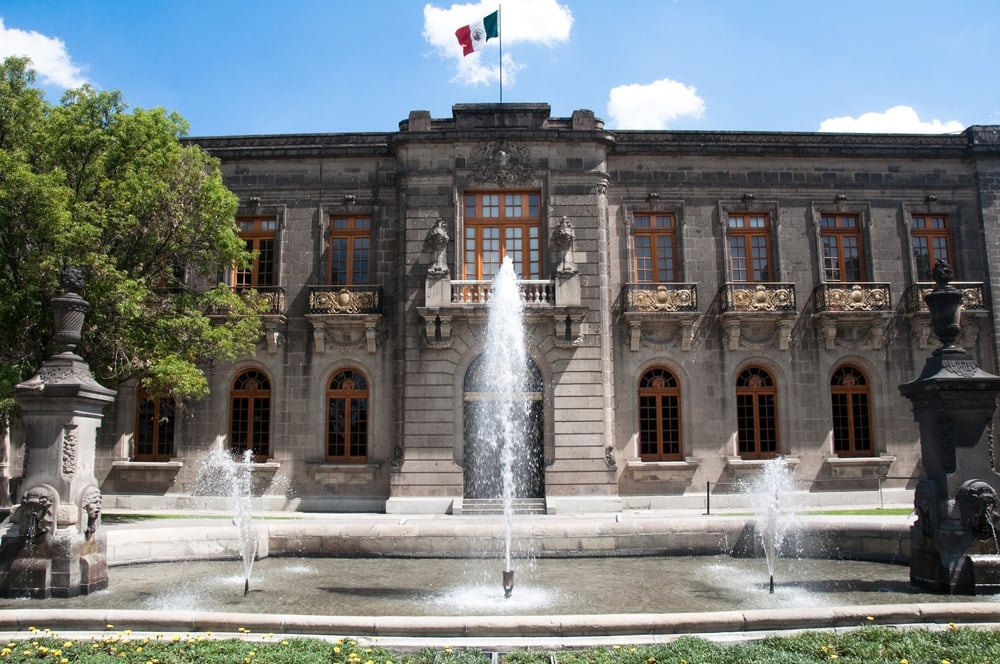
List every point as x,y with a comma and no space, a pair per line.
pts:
483,436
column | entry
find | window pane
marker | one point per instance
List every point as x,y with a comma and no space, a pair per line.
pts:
738,258
643,259
360,258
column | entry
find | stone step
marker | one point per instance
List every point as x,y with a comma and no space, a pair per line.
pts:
495,506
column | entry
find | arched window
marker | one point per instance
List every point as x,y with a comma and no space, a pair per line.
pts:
347,418
756,414
659,416
852,432
250,415
154,428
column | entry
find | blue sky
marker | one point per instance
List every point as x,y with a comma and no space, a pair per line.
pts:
304,66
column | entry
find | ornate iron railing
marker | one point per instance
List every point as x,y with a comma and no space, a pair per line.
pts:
272,296
471,291
657,298
853,297
765,297
973,296
353,299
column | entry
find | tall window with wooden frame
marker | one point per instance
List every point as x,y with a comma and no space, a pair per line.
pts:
154,428
259,237
654,238
842,258
659,416
756,414
852,429
350,250
748,237
499,225
930,238
347,418
250,415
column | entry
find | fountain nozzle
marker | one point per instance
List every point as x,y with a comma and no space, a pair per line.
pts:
508,583
246,587
771,590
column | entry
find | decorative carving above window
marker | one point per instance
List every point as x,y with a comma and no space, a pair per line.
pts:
758,316
853,315
660,315
345,317
502,162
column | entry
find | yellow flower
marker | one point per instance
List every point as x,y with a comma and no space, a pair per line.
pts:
109,626
871,618
336,649
904,661
68,644
138,649
284,643
944,661
834,656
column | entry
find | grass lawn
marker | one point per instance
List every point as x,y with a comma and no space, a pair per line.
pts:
869,644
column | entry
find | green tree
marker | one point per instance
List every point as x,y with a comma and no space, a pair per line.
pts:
91,183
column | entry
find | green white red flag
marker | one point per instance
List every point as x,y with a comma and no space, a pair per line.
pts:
474,36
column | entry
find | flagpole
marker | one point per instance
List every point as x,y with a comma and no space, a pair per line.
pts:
500,39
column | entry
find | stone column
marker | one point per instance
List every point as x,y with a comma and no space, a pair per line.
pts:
954,539
53,545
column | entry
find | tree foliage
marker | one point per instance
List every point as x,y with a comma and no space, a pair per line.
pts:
90,183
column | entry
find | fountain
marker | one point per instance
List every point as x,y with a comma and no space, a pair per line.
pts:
953,543
224,474
502,423
773,520
52,544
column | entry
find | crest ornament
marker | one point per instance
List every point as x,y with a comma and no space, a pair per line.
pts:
501,162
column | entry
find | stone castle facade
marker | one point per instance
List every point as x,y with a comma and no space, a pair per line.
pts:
696,303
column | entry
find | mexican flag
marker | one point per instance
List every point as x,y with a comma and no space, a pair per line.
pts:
473,37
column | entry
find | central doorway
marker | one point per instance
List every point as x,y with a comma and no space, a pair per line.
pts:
483,466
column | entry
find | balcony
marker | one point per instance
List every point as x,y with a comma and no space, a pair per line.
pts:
660,315
272,315
853,315
451,300
758,316
973,309
345,317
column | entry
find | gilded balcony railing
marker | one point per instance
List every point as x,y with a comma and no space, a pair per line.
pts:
764,297
661,298
973,296
857,297
340,299
273,298
471,291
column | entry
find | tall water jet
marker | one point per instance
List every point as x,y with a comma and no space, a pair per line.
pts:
774,518
232,477
504,418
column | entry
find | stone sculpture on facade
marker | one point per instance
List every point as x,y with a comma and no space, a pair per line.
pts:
954,542
52,545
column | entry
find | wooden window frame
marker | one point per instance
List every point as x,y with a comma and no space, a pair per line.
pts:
748,233
933,237
162,428
852,384
655,232
258,399
756,387
256,231
659,393
490,216
836,227
353,394
356,227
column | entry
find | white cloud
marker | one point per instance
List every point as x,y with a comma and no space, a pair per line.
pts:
49,57
652,106
543,22
896,120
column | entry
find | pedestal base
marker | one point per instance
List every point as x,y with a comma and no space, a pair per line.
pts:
60,565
